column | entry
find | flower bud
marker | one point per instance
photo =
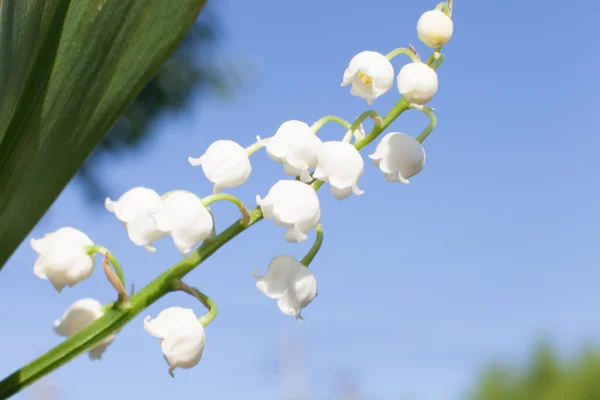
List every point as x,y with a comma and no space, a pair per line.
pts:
81,314
182,336
133,210
63,259
185,218
341,165
399,156
295,146
435,28
294,205
289,282
225,163
371,74
417,82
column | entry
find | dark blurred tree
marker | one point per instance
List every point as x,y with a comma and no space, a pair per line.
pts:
187,73
545,378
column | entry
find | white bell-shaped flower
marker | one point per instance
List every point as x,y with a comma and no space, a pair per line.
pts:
133,210
418,82
289,282
295,146
399,156
78,316
182,336
225,163
187,220
371,74
63,259
341,165
294,205
435,28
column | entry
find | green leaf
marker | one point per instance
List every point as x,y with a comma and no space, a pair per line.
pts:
68,70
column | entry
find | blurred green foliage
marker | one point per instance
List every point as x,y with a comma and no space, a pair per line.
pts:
546,377
189,72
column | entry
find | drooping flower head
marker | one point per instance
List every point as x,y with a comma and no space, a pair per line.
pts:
341,165
435,28
294,205
418,82
63,259
371,74
289,282
225,163
295,146
185,218
78,316
133,210
182,336
399,156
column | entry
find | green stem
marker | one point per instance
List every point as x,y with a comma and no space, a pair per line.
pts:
438,61
111,257
445,7
432,122
316,127
403,50
253,148
315,248
178,284
360,120
208,200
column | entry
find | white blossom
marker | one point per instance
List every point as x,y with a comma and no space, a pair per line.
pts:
418,82
435,28
133,210
371,74
225,163
78,316
294,205
182,336
399,156
295,146
185,218
341,165
289,282
63,259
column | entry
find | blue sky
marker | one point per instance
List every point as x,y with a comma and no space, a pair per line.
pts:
492,246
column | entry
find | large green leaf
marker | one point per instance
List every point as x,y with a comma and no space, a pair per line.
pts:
68,69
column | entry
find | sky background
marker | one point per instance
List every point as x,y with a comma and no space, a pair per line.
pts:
493,246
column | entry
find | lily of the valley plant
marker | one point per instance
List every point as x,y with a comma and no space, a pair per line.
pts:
67,256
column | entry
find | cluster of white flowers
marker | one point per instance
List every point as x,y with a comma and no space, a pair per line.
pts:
64,255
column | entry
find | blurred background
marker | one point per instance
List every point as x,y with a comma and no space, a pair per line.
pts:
478,280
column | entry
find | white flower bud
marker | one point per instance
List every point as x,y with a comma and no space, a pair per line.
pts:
225,163
187,220
63,259
294,205
341,165
78,316
399,156
289,282
133,210
435,28
418,82
371,74
295,146
182,336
